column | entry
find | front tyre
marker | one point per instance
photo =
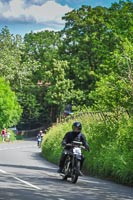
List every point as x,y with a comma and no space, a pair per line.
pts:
66,169
74,177
75,173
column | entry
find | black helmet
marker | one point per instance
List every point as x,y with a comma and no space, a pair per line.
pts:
77,125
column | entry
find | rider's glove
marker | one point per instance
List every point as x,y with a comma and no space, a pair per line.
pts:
87,148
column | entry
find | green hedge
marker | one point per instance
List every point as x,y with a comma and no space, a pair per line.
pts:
110,143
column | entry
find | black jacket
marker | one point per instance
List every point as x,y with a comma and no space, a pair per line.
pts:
71,136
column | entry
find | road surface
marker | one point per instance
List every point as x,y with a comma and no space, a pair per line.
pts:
25,175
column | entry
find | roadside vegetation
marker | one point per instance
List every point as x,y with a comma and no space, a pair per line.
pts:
110,142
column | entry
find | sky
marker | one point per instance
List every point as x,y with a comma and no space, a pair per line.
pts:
24,16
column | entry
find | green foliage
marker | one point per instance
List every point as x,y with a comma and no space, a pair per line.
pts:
10,110
15,66
111,95
88,63
51,145
60,89
110,144
96,37
114,90
111,150
43,47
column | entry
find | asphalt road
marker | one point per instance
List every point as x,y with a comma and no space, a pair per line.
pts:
25,175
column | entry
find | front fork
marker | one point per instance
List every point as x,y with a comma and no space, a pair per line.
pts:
76,163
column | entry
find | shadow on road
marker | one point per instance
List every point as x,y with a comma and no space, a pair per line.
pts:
49,169
51,187
55,189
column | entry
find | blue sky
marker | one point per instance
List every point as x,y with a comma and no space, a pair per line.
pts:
24,16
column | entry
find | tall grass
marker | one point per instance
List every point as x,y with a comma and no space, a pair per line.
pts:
111,150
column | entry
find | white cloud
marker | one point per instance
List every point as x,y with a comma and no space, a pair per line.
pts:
44,29
48,11
14,9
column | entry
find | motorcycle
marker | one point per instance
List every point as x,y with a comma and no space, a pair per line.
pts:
72,163
39,141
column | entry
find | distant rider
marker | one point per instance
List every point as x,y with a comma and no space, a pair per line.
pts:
69,137
3,134
39,138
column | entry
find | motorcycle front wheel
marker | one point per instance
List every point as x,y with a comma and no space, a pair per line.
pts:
75,173
74,177
66,169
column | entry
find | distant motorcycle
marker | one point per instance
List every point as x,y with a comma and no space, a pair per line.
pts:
72,163
39,140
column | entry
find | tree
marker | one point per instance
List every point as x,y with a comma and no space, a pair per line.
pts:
83,44
10,110
114,91
89,36
15,66
59,90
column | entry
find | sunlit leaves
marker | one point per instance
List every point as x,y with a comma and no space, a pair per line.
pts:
14,65
115,89
61,87
10,110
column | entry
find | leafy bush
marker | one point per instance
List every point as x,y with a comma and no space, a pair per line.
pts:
10,110
110,147
51,145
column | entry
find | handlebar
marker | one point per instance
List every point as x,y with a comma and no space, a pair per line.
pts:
75,143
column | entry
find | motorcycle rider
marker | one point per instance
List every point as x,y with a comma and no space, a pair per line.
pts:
39,138
69,137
